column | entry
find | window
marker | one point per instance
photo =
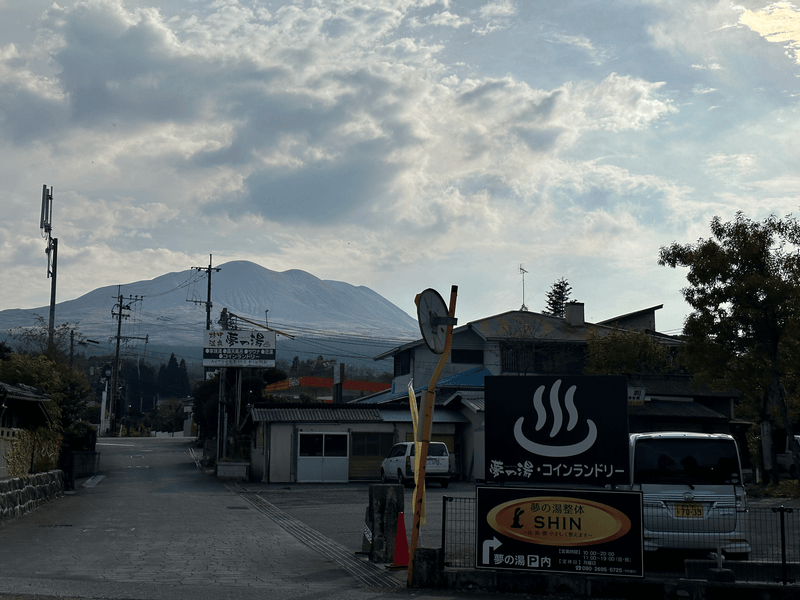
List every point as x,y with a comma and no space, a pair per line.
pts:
466,356
335,445
311,444
371,444
402,363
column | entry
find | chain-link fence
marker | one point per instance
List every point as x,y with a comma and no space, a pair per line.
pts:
765,546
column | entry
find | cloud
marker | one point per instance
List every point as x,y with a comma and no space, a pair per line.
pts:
778,23
583,43
360,140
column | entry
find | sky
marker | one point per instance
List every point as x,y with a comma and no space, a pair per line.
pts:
395,144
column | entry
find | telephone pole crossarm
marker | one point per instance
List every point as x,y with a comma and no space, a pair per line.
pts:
209,269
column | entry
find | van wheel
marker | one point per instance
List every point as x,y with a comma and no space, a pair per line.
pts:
400,479
384,479
444,482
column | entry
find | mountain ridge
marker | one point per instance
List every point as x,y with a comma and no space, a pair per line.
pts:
170,308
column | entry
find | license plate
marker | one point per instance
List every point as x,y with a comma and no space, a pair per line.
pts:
689,509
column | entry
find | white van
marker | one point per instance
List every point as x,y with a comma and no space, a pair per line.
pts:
399,464
692,491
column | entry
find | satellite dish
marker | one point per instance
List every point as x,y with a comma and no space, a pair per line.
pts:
433,319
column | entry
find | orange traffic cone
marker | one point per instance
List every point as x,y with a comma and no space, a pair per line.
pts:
400,558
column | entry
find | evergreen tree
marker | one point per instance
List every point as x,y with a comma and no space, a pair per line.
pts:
557,298
173,380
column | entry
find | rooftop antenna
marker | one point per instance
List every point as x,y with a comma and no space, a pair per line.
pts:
46,225
522,272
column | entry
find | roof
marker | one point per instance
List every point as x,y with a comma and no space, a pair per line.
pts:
676,385
326,382
523,324
403,415
27,403
23,392
471,378
332,414
389,396
336,414
675,410
632,316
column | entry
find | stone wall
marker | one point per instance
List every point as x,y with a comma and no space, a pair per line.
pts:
22,495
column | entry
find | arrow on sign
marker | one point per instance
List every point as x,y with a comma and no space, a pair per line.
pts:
492,544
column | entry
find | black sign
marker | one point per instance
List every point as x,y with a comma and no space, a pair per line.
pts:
595,532
557,430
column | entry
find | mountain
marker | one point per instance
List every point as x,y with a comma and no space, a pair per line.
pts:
171,311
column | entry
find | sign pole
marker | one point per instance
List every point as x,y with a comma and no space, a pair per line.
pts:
425,432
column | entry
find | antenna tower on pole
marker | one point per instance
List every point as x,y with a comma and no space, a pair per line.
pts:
522,272
46,225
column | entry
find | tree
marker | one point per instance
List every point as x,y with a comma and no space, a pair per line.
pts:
169,416
557,298
173,380
35,339
744,290
622,352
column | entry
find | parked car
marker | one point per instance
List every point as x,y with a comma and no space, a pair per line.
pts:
692,491
399,464
784,456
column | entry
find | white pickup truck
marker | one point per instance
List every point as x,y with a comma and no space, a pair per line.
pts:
785,461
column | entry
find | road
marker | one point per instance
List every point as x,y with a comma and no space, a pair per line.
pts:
153,526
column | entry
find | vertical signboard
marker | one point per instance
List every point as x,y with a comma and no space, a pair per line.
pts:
563,431
560,531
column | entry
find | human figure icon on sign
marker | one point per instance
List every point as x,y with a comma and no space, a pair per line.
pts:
518,512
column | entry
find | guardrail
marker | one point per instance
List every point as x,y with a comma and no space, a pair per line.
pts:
773,534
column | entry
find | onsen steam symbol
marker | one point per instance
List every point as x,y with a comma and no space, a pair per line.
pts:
558,419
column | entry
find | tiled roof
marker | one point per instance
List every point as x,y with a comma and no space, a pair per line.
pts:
23,392
334,414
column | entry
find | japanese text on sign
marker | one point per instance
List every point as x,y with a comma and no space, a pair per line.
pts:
239,348
558,470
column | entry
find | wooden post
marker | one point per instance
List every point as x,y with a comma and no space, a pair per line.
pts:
424,433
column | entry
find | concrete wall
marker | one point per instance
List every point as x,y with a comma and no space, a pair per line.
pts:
22,495
281,453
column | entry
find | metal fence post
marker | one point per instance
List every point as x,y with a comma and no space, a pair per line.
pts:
444,527
784,573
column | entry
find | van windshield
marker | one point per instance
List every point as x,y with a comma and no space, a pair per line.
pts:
687,461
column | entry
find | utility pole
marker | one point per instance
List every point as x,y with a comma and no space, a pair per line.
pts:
121,307
207,302
46,225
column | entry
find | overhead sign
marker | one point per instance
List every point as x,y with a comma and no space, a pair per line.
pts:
560,531
570,430
239,348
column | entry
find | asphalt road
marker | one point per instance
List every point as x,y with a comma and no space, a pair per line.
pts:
153,527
